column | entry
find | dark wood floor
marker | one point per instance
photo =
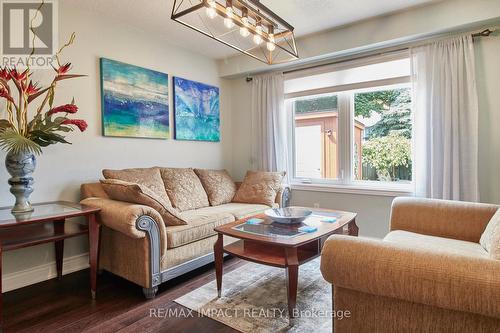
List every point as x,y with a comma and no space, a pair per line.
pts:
66,306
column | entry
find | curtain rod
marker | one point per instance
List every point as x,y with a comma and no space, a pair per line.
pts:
483,33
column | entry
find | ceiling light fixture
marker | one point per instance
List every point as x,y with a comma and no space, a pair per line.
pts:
273,39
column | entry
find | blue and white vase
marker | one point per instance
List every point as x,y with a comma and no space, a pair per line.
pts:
21,167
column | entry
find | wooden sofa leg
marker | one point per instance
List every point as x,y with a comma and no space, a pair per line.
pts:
150,293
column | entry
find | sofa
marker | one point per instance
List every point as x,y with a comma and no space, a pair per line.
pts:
431,273
148,248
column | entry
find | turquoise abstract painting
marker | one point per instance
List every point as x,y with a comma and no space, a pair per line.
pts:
196,111
134,101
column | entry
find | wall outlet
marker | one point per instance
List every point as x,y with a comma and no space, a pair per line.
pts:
316,205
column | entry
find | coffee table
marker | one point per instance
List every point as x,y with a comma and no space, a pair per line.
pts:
278,245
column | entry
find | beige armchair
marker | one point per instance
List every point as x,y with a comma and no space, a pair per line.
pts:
429,274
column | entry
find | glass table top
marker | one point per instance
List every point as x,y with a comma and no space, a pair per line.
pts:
272,229
41,211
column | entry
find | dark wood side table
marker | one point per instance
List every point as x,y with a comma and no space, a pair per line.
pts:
46,224
270,244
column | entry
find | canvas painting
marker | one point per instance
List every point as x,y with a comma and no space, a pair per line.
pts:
196,112
134,101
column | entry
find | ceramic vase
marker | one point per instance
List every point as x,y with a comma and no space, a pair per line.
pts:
21,166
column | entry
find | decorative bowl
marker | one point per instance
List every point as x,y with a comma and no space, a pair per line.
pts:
288,215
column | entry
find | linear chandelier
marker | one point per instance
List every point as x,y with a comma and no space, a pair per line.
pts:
245,25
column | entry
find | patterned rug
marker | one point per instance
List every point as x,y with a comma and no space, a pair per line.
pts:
254,300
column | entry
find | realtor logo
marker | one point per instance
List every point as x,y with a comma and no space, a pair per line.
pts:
27,26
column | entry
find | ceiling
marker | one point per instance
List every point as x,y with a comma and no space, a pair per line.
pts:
307,16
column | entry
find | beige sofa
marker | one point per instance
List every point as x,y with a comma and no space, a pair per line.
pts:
137,246
430,274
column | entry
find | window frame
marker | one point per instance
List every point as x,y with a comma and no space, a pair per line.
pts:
345,136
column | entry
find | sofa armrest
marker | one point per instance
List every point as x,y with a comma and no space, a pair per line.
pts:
442,218
123,216
283,196
454,282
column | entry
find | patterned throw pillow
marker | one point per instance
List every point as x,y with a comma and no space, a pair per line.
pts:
218,184
490,239
139,194
259,187
149,178
184,189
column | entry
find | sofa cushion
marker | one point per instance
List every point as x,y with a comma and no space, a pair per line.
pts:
184,188
241,210
148,177
259,187
200,224
436,244
490,239
218,184
139,194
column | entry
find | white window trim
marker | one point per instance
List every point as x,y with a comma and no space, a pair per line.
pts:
345,138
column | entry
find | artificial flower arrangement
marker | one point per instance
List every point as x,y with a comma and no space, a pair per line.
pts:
27,128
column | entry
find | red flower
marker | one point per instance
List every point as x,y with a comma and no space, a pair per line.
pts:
63,69
68,108
81,124
5,94
15,75
4,74
31,89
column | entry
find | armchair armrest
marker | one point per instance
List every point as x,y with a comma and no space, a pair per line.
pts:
123,216
442,218
454,282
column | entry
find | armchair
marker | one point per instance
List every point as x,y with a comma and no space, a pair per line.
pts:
429,274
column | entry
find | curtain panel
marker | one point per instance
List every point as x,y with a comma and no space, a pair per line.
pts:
445,108
269,123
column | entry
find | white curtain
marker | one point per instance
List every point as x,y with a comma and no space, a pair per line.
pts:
269,123
445,120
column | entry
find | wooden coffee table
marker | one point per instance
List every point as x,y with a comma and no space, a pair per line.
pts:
270,244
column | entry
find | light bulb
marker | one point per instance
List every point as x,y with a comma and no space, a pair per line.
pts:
257,39
228,23
211,12
229,11
270,44
244,32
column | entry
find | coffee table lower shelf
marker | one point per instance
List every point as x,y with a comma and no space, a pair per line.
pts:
270,255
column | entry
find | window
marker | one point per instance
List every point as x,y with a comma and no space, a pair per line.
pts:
353,126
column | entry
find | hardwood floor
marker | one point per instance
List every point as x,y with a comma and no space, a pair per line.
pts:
66,305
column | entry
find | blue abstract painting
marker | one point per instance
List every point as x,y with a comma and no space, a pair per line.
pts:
196,111
134,101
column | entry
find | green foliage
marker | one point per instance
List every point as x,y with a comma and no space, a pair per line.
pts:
387,153
11,140
319,104
4,124
396,119
378,101
394,106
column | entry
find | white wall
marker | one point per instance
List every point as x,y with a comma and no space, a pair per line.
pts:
374,211
62,168
388,30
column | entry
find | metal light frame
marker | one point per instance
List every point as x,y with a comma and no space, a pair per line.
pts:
284,39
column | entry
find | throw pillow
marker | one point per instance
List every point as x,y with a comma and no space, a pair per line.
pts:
259,187
218,184
146,177
184,189
490,239
139,194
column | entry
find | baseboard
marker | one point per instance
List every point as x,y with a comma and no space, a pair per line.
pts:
43,272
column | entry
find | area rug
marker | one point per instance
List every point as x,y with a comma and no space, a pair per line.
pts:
254,300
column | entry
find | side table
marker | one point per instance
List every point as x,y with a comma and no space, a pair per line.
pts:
46,224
